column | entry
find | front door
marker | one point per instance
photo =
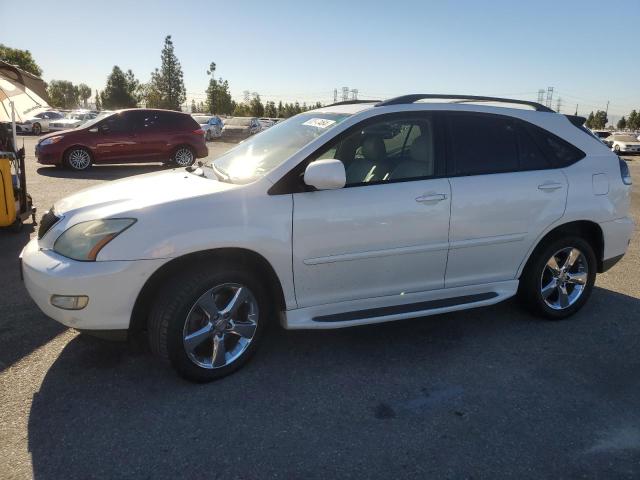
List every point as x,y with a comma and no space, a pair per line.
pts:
386,232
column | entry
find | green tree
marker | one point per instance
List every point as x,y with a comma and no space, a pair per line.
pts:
97,100
63,94
634,120
20,58
622,124
589,122
218,95
600,119
256,108
121,90
241,110
194,107
270,110
166,88
84,92
280,110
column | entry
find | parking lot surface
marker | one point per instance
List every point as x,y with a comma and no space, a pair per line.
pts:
488,393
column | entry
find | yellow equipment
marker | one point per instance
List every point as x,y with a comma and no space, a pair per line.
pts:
16,204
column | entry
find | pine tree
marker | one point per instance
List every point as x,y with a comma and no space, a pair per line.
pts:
633,122
121,90
280,110
218,95
622,124
166,89
589,122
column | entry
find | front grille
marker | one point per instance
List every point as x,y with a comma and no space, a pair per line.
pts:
47,221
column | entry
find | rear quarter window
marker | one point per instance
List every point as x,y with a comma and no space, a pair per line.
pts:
559,151
179,121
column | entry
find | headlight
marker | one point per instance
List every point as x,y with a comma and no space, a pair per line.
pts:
84,240
51,140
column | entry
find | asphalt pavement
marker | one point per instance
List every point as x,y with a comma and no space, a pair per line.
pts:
487,393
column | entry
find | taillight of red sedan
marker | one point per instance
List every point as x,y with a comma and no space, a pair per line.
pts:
198,132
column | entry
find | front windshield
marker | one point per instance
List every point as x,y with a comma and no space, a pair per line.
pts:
101,116
239,121
261,153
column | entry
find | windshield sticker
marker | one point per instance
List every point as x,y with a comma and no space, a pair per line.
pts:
319,122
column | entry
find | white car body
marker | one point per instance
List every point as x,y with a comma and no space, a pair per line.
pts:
367,249
210,124
624,143
73,120
39,122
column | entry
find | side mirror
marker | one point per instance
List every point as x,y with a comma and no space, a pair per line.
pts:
327,174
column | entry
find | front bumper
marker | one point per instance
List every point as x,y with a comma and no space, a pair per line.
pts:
112,287
49,154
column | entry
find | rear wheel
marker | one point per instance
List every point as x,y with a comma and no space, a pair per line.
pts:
208,321
78,158
557,282
183,156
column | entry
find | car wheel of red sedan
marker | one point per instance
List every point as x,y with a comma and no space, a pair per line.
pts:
183,156
78,159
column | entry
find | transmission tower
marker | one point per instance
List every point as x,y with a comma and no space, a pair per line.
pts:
345,94
335,95
354,94
541,95
549,96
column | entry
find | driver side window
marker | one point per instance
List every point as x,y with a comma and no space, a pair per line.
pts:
386,151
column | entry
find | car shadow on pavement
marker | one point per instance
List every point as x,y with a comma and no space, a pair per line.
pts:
455,395
103,172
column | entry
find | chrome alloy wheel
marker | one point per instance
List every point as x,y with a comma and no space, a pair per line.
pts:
79,159
564,278
220,325
183,157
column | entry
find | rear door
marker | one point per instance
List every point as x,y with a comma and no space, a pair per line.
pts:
148,131
505,193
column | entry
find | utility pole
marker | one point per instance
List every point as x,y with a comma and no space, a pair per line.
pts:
576,109
558,105
607,109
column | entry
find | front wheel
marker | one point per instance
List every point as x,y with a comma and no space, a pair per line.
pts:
36,129
616,148
208,321
183,156
78,159
558,281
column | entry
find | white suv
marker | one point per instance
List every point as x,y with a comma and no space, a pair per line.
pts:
350,214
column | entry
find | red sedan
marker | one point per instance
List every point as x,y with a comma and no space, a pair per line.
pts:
126,136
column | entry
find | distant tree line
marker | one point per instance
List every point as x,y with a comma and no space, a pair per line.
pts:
632,122
598,120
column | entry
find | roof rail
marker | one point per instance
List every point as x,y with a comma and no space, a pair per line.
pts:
464,98
351,102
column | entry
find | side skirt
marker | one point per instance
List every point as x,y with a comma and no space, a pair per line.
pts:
397,307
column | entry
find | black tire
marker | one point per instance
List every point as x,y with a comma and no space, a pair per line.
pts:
616,148
175,300
36,129
209,136
530,288
177,157
71,163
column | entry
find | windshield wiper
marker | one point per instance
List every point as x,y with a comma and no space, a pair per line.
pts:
220,174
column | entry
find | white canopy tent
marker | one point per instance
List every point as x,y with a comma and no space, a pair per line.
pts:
22,95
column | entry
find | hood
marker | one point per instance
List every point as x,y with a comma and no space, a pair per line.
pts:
136,193
56,133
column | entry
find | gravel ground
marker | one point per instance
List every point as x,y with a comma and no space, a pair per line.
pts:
487,393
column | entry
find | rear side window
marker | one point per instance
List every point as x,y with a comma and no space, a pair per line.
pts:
179,121
482,144
560,152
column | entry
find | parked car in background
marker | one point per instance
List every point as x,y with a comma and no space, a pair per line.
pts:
211,124
133,135
346,215
266,122
71,120
39,122
603,135
624,143
239,128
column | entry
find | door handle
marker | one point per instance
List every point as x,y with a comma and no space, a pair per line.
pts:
550,186
435,197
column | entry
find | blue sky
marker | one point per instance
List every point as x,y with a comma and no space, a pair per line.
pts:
301,50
